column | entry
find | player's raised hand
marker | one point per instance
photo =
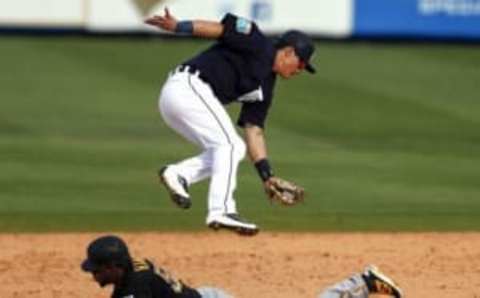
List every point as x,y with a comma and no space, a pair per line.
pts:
166,22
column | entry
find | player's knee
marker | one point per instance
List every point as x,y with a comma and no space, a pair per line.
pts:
236,149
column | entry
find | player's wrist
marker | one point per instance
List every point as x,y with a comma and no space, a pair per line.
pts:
184,27
264,169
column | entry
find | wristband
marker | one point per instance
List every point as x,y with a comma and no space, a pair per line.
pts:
264,170
185,27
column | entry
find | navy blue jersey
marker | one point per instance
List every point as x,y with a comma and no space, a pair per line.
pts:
238,67
148,281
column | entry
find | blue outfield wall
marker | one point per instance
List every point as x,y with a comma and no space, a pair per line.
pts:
452,19
382,19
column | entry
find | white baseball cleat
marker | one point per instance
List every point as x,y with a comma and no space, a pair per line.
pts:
232,221
176,186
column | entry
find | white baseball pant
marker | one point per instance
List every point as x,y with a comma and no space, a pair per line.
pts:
353,287
189,106
209,292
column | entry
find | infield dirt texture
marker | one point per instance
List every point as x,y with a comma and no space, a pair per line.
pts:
271,265
385,139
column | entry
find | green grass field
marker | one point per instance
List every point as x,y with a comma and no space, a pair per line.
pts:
386,137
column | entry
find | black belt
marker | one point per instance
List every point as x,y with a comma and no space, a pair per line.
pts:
188,68
191,69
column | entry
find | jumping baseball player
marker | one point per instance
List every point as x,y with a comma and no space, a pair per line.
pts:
109,262
241,66
361,285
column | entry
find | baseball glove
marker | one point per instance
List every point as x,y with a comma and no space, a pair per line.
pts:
283,191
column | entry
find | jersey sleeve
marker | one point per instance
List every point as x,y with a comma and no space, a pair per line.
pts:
242,34
253,113
256,112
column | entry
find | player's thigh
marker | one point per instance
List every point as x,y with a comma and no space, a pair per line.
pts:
190,107
221,130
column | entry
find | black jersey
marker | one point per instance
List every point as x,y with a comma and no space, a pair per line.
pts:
148,281
238,67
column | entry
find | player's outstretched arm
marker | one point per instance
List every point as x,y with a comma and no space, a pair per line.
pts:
256,143
277,189
201,28
257,148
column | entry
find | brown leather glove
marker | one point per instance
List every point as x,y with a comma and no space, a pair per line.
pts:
283,191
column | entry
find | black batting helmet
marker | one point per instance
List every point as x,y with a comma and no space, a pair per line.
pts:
106,250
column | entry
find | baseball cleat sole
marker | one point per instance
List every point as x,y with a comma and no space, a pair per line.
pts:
216,226
383,284
232,222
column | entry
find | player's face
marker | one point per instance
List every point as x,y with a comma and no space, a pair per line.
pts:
289,64
104,275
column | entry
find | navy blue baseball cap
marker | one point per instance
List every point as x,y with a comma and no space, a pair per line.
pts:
302,44
106,250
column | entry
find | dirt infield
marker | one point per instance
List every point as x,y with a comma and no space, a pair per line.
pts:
276,265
